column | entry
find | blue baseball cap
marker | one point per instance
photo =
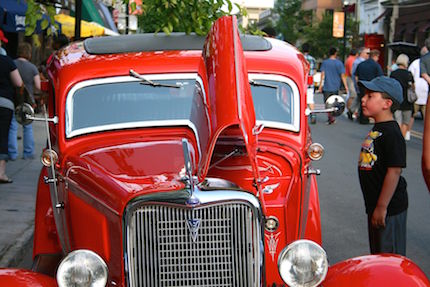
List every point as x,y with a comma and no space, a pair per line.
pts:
386,85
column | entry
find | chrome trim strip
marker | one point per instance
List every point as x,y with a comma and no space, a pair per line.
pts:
295,126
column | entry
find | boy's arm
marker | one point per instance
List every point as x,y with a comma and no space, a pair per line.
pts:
388,188
321,82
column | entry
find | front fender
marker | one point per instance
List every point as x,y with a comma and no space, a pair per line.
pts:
25,278
376,270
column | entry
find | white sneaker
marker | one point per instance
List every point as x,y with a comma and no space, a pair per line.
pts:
408,136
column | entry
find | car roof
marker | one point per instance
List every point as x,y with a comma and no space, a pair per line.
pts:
176,53
162,42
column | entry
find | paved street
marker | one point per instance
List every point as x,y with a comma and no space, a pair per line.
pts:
17,202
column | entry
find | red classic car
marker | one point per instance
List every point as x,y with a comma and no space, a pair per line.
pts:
185,161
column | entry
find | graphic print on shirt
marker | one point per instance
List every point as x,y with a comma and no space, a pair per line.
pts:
367,157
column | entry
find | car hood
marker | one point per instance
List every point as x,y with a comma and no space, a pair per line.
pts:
229,94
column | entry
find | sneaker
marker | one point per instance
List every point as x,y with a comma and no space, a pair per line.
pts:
408,136
331,122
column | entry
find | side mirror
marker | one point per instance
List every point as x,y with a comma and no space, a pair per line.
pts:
334,104
24,114
337,103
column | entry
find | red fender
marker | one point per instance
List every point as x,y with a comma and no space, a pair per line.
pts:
313,224
376,270
25,278
45,235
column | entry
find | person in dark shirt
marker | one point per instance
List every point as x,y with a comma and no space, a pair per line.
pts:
9,78
404,114
382,157
366,71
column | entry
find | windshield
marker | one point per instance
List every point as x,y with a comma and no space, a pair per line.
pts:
124,102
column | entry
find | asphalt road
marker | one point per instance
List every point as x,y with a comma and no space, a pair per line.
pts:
344,224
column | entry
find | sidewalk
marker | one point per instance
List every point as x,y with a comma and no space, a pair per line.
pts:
17,201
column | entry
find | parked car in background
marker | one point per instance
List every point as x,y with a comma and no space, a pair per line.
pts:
185,161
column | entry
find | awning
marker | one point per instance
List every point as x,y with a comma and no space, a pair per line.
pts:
12,15
87,29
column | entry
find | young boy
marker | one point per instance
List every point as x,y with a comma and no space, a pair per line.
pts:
382,157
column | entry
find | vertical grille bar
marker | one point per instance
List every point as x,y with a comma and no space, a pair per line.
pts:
162,252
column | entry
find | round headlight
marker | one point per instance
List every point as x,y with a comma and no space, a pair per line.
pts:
303,263
316,151
82,268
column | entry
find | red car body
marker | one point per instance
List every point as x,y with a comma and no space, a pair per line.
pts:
108,173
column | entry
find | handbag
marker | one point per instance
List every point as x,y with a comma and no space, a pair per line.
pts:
23,96
412,96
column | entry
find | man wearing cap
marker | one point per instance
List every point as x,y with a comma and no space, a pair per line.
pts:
382,157
5,40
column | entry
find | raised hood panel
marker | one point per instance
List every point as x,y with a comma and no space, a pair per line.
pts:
229,94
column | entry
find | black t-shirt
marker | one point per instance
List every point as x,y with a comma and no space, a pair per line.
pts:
6,87
405,79
383,147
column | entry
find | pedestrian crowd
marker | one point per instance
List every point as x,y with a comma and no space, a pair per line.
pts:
20,79
390,102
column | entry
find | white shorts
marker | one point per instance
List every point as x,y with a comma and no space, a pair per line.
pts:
310,96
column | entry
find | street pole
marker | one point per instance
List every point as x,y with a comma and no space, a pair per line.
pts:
78,17
344,31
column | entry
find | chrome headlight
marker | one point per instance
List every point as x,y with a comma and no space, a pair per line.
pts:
303,263
82,268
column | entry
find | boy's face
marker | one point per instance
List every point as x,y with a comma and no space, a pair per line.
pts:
374,104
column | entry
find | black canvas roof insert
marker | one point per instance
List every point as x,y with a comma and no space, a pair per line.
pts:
161,42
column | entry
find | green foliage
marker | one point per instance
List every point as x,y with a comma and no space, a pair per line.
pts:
292,19
34,13
182,15
321,39
298,26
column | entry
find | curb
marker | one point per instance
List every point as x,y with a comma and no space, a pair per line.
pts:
13,254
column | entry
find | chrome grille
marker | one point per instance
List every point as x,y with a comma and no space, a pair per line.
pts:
161,251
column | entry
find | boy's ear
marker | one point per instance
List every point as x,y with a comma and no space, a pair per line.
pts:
388,103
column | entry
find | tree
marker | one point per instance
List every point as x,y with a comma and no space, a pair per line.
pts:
39,12
320,36
291,19
182,15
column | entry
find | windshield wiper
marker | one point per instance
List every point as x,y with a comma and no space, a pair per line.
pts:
261,84
149,82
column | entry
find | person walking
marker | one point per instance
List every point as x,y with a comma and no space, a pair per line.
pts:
352,95
9,78
363,55
366,71
332,76
382,157
31,78
425,159
312,70
421,89
404,114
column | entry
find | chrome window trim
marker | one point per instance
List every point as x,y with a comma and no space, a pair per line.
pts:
295,126
123,79
213,198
